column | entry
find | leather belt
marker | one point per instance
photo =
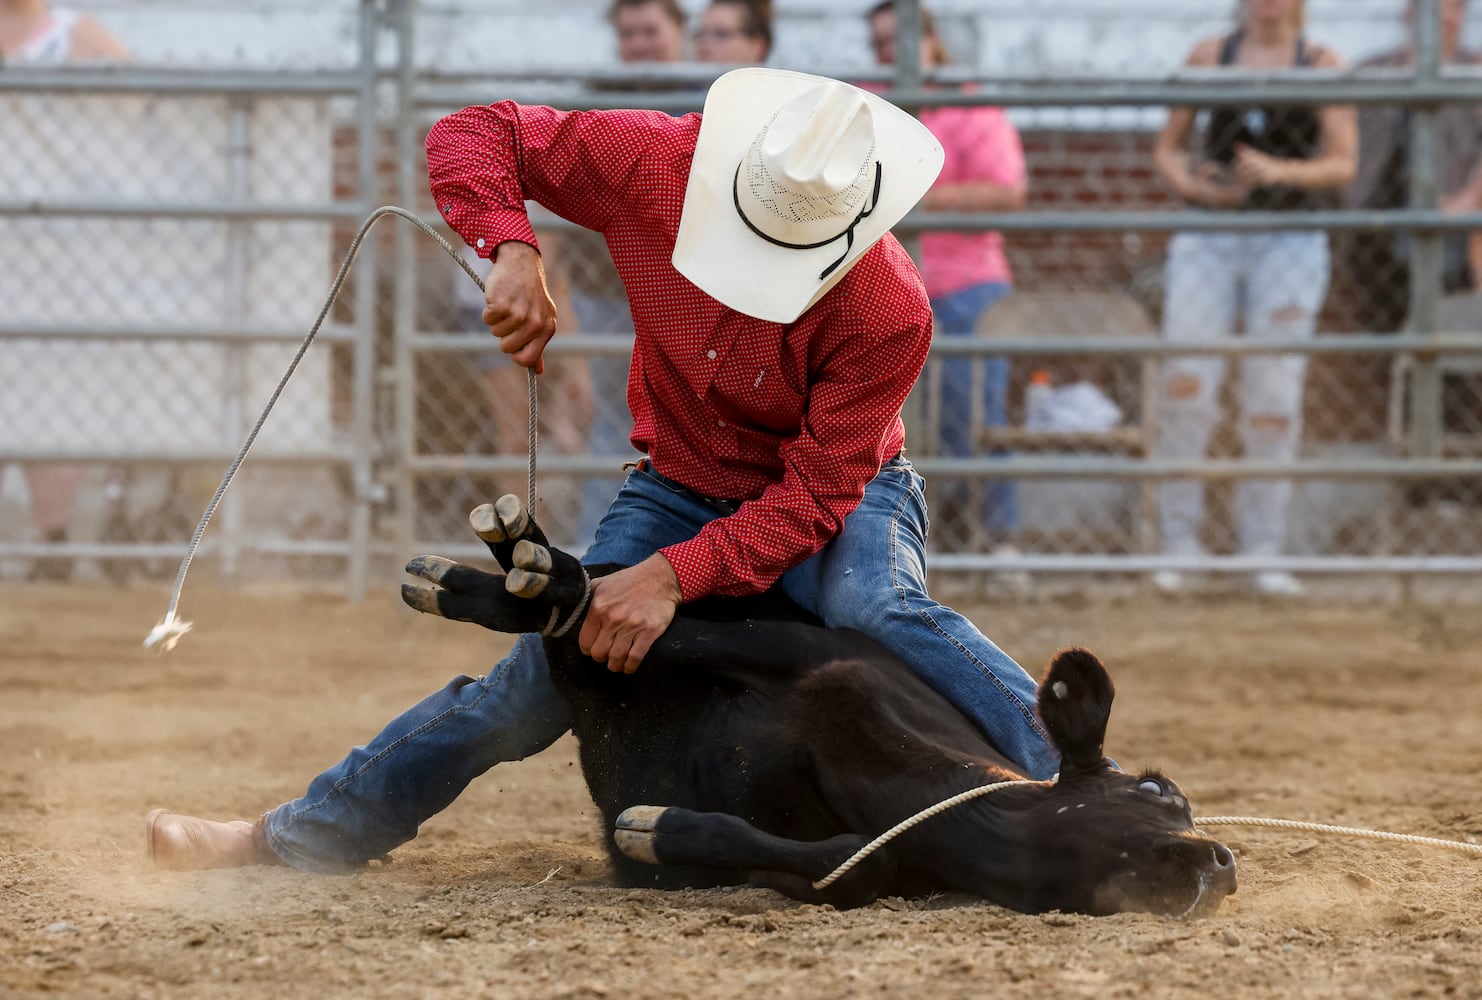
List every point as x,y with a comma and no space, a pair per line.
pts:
724,505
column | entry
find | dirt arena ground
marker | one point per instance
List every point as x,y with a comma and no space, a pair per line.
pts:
1355,714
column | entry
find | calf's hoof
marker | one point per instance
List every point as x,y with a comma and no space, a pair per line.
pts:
531,571
504,519
434,568
637,829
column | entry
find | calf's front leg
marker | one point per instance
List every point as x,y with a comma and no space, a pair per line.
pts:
676,836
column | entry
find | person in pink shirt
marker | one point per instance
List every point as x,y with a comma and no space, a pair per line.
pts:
966,273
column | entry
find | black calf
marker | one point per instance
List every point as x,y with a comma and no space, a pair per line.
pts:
777,748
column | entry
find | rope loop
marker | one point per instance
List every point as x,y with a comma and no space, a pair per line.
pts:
906,824
557,631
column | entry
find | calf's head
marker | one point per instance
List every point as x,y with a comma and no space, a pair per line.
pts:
1103,840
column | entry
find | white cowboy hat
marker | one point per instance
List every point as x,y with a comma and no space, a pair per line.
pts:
794,178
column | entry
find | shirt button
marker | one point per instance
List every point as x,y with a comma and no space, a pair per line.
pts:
480,243
720,423
710,355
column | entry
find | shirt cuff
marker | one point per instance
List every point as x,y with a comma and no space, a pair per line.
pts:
697,565
488,229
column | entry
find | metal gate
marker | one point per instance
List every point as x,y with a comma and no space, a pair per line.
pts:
149,307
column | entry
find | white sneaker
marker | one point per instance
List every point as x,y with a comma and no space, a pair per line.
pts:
1277,583
1170,581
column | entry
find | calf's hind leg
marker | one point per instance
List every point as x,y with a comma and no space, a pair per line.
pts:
545,590
502,525
517,543
675,836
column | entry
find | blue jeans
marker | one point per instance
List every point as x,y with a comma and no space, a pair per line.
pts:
957,315
872,578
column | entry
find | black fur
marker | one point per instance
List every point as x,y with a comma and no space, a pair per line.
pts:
779,747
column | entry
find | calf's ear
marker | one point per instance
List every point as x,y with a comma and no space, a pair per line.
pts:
1075,699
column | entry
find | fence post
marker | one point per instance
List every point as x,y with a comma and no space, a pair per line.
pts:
405,317
234,355
1426,245
363,391
921,420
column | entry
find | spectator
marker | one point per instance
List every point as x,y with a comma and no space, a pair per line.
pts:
966,273
1377,263
33,32
736,32
1283,159
648,30
780,329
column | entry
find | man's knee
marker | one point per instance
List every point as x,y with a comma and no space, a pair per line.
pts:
862,608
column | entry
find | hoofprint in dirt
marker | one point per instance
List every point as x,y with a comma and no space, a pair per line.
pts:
1362,715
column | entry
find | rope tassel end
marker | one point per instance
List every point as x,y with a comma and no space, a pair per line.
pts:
166,633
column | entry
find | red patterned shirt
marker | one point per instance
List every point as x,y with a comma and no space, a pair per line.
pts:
794,419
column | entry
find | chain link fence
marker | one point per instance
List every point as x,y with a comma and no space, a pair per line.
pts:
170,243
167,233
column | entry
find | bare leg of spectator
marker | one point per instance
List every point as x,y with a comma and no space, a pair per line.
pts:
53,489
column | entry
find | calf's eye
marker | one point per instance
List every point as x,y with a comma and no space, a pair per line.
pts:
1149,785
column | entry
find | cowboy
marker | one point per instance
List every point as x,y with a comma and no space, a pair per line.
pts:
778,330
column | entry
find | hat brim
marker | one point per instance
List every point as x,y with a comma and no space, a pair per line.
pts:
729,262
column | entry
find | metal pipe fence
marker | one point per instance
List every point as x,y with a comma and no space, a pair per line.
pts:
167,234
411,416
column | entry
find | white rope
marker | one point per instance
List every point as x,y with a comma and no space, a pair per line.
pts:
171,628
1280,824
906,824
1347,831
576,612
